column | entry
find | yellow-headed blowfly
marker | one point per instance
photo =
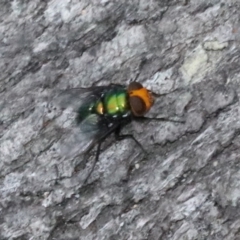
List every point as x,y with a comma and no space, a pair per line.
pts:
103,110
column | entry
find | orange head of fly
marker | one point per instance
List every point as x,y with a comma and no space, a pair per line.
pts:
140,99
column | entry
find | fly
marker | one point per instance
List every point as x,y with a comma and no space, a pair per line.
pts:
103,110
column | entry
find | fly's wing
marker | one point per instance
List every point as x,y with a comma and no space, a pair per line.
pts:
75,97
83,136
74,142
90,125
78,141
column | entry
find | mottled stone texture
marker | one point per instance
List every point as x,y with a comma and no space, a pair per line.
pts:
187,187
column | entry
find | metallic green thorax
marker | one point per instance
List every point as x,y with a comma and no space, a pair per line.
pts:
112,103
115,103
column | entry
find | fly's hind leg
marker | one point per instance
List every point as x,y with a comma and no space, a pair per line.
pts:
94,163
85,158
120,137
98,143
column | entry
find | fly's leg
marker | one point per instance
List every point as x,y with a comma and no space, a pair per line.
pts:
163,119
121,137
98,143
85,156
94,163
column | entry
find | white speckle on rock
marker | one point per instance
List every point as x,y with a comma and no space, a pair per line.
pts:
16,7
161,82
185,232
66,11
11,183
182,102
38,227
194,67
91,216
53,198
215,163
137,165
40,47
12,144
189,206
214,45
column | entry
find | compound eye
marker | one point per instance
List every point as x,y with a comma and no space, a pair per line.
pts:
134,86
138,106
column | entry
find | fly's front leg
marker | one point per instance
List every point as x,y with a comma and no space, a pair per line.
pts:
163,119
121,137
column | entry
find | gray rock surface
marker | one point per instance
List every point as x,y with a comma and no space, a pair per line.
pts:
187,187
